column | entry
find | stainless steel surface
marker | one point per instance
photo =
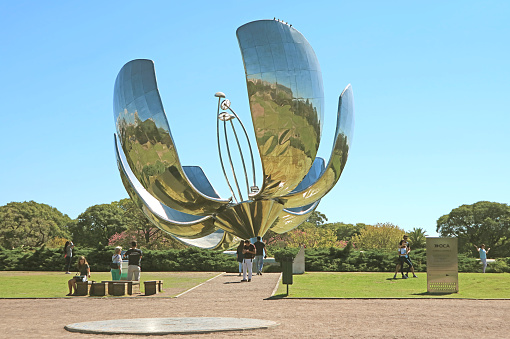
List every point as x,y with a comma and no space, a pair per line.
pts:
189,229
147,143
286,101
291,218
284,83
329,177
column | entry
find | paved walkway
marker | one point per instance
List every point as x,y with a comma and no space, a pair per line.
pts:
226,296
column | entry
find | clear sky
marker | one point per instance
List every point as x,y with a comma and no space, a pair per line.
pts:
431,82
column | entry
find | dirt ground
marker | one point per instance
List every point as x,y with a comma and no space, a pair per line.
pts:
226,296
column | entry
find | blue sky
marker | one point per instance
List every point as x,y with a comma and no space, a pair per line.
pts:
431,84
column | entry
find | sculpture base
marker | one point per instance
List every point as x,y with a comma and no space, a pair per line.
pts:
161,326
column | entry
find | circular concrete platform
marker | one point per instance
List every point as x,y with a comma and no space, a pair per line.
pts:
148,326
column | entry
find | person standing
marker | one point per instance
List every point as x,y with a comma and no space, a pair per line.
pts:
249,252
68,254
402,254
116,265
134,256
239,254
260,248
483,255
408,261
403,258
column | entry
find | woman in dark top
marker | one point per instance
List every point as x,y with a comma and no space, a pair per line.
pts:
240,256
84,270
68,254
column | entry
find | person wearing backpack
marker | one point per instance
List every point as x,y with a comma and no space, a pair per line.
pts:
249,252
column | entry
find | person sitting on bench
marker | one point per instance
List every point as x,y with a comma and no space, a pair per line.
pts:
84,270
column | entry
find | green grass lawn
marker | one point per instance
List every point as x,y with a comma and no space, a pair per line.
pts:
381,285
54,284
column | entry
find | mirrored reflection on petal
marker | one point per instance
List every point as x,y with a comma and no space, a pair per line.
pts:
249,219
219,240
291,218
174,222
338,159
147,143
285,102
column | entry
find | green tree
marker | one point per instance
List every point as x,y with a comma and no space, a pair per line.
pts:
141,229
345,232
97,224
380,236
317,218
482,222
30,224
417,238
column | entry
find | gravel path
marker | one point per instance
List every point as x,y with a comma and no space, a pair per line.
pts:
226,296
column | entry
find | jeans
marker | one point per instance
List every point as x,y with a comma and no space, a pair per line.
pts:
484,263
259,263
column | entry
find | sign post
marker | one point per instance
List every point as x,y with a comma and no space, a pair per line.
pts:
442,265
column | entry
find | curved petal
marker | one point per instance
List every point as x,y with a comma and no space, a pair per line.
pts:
291,218
249,219
336,164
219,240
286,98
147,143
167,219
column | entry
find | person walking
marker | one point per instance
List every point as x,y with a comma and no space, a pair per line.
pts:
483,255
68,254
249,252
260,248
134,256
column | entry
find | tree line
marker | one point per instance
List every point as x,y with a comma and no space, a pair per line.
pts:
32,225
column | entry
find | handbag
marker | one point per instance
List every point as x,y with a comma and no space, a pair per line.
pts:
114,265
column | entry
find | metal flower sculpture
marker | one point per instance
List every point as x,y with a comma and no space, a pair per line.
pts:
286,99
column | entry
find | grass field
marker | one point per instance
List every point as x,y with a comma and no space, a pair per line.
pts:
309,285
54,284
381,285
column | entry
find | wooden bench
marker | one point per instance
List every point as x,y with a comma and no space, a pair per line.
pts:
83,288
130,287
98,289
153,286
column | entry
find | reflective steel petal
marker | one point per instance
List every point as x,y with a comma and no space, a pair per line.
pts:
249,219
147,143
291,218
343,136
174,222
286,101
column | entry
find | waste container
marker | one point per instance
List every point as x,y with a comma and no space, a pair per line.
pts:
287,272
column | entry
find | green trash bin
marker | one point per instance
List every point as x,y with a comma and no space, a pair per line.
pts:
287,272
